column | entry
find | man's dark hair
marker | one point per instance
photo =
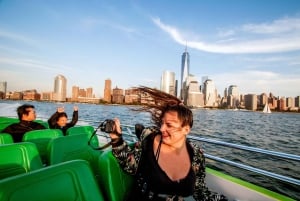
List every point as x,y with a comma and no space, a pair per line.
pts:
23,110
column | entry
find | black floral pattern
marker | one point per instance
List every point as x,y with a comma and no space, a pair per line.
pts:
130,156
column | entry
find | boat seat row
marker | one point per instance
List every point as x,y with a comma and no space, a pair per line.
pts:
23,158
71,180
6,121
18,158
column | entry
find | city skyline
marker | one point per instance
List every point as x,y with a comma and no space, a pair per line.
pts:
252,44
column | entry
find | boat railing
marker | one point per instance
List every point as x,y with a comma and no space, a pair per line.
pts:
128,131
251,149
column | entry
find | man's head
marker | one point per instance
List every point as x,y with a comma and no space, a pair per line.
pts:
26,112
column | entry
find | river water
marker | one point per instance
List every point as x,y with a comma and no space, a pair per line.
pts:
275,132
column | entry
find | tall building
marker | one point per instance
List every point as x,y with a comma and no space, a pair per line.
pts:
168,83
234,93
60,88
75,93
209,93
185,71
251,102
3,88
107,91
194,95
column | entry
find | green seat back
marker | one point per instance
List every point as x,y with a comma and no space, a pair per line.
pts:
42,138
6,121
44,123
72,147
115,183
6,138
18,158
87,130
72,180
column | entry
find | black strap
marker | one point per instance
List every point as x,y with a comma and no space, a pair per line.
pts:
113,141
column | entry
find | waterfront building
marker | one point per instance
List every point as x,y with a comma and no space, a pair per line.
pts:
209,92
282,104
31,95
168,83
290,103
82,93
47,96
75,93
185,71
60,88
3,88
107,91
117,96
89,92
132,96
297,101
234,93
251,102
194,97
203,79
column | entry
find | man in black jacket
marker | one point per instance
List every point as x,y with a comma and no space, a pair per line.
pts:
27,115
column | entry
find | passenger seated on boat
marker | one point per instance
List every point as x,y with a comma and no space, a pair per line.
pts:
59,119
27,115
167,166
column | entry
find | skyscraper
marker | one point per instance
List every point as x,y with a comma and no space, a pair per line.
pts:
185,70
168,83
107,91
60,88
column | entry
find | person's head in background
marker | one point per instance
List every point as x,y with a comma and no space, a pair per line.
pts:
62,119
26,112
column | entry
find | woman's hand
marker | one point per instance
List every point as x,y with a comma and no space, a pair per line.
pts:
60,109
75,108
117,129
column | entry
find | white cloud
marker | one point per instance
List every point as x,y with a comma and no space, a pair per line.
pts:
17,37
289,40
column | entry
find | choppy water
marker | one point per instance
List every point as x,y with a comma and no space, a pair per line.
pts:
276,132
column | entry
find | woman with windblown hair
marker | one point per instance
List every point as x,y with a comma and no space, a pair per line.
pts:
167,166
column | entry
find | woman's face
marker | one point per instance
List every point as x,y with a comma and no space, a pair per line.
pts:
171,129
62,121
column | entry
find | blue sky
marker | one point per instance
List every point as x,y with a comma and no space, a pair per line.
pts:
254,44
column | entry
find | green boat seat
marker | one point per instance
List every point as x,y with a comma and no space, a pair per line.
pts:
72,180
6,121
44,123
114,182
87,130
6,138
42,138
73,147
18,158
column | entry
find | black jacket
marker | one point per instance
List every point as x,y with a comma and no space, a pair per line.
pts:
17,130
52,122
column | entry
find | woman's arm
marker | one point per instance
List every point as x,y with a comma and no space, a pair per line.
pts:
52,120
201,190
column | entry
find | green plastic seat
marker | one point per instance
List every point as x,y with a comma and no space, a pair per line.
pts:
87,130
6,138
115,183
6,121
72,180
18,158
42,138
73,147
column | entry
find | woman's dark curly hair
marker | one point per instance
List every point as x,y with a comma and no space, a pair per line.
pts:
157,103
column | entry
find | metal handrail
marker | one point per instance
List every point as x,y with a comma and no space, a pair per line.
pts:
241,147
256,170
247,148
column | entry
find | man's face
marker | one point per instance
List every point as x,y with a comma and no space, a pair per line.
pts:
31,115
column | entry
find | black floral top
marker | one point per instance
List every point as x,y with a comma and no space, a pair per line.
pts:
130,159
